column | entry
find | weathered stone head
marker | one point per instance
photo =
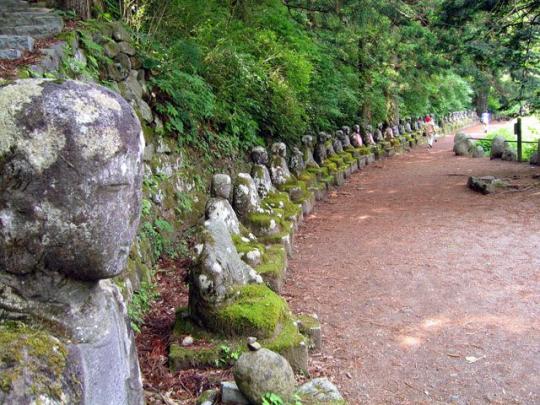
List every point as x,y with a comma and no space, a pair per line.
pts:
279,171
297,164
307,140
70,193
337,144
70,179
259,155
346,130
221,186
344,137
279,149
218,207
356,129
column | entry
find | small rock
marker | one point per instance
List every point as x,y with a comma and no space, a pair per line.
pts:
486,184
119,32
254,346
126,48
230,394
208,397
111,49
262,371
251,339
187,341
321,390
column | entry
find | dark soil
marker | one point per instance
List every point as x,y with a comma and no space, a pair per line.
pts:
427,292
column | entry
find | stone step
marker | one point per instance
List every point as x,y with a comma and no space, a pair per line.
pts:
7,3
31,12
10,54
22,42
36,31
32,19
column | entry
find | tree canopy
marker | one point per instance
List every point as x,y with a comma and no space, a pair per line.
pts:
251,70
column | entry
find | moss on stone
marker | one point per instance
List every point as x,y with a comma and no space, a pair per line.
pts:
338,160
187,357
281,200
288,337
27,350
331,166
273,266
243,247
262,222
256,311
347,158
307,177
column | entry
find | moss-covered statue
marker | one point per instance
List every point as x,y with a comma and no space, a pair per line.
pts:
259,171
345,138
70,193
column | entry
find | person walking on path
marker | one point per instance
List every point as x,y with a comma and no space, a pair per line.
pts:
429,131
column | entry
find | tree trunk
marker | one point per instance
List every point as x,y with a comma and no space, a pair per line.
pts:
83,8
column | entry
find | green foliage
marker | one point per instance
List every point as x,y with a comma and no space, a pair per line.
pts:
140,304
228,356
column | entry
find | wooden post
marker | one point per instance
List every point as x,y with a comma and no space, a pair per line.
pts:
517,131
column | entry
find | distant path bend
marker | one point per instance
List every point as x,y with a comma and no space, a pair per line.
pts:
427,292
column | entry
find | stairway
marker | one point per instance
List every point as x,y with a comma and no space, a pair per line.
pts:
21,24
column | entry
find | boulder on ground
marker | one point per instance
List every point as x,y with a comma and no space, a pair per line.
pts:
478,152
498,146
259,372
463,145
486,184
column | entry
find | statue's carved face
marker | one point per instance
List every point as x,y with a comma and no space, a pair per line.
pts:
259,155
70,180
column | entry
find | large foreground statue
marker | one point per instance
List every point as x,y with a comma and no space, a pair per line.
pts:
70,193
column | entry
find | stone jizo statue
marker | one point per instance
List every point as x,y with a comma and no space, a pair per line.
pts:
356,138
309,160
259,171
218,206
279,170
297,165
338,146
70,199
344,137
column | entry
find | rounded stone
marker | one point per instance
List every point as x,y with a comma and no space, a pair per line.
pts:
221,186
70,177
259,155
279,149
259,372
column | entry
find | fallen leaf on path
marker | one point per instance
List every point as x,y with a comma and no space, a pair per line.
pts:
472,359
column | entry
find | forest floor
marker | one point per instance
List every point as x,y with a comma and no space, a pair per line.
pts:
427,292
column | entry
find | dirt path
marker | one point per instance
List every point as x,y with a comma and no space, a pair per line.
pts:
427,292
